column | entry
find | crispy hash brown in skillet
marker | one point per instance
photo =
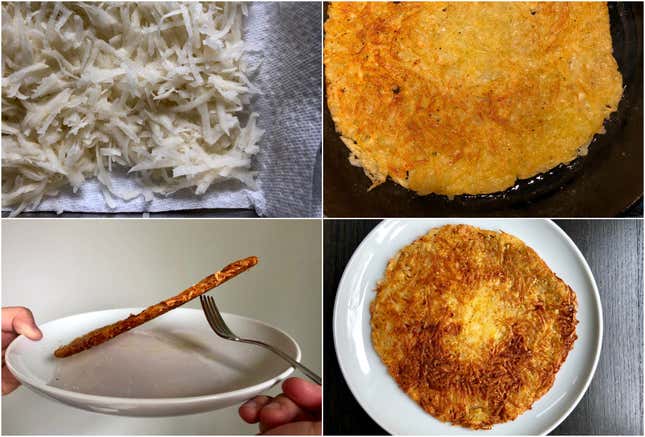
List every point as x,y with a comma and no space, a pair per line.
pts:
466,98
472,324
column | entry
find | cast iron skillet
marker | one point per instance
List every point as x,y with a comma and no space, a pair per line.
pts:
604,183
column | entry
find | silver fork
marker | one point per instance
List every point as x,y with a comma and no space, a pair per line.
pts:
219,326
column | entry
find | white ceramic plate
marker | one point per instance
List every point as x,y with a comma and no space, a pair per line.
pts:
172,365
379,394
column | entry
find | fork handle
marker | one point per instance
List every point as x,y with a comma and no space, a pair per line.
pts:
313,376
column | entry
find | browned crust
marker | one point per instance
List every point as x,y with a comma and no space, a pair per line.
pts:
433,96
105,333
419,331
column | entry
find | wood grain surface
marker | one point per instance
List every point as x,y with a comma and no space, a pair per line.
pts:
613,403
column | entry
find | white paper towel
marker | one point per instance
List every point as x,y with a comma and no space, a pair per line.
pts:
284,39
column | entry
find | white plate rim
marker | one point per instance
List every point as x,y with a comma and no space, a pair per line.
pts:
580,257
153,401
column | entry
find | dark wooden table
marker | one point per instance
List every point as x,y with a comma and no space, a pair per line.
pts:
613,403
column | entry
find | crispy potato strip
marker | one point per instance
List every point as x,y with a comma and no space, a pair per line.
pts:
105,333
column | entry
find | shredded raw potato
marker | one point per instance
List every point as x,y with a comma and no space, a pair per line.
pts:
156,88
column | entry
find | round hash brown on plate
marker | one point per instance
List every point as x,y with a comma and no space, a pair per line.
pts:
466,98
472,324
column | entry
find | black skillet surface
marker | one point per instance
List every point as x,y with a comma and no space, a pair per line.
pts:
605,183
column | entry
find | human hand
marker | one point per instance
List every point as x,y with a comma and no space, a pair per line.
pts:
297,411
15,321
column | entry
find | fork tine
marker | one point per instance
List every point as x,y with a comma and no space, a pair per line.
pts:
223,326
212,313
211,320
215,318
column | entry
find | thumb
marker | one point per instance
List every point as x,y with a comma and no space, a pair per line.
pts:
24,324
304,393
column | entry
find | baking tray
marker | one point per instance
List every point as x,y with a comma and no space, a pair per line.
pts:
607,182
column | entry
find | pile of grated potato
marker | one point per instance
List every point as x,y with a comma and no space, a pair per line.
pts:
155,88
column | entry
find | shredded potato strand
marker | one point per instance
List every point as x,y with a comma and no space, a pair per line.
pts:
155,88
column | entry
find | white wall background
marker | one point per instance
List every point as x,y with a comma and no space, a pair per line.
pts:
61,267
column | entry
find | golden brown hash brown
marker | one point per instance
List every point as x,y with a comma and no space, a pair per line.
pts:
105,333
472,324
457,97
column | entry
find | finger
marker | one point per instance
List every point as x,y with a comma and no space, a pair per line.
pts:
304,393
279,411
7,337
297,428
10,313
250,409
23,323
9,382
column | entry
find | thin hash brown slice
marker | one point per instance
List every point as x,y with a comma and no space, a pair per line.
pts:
472,324
105,333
